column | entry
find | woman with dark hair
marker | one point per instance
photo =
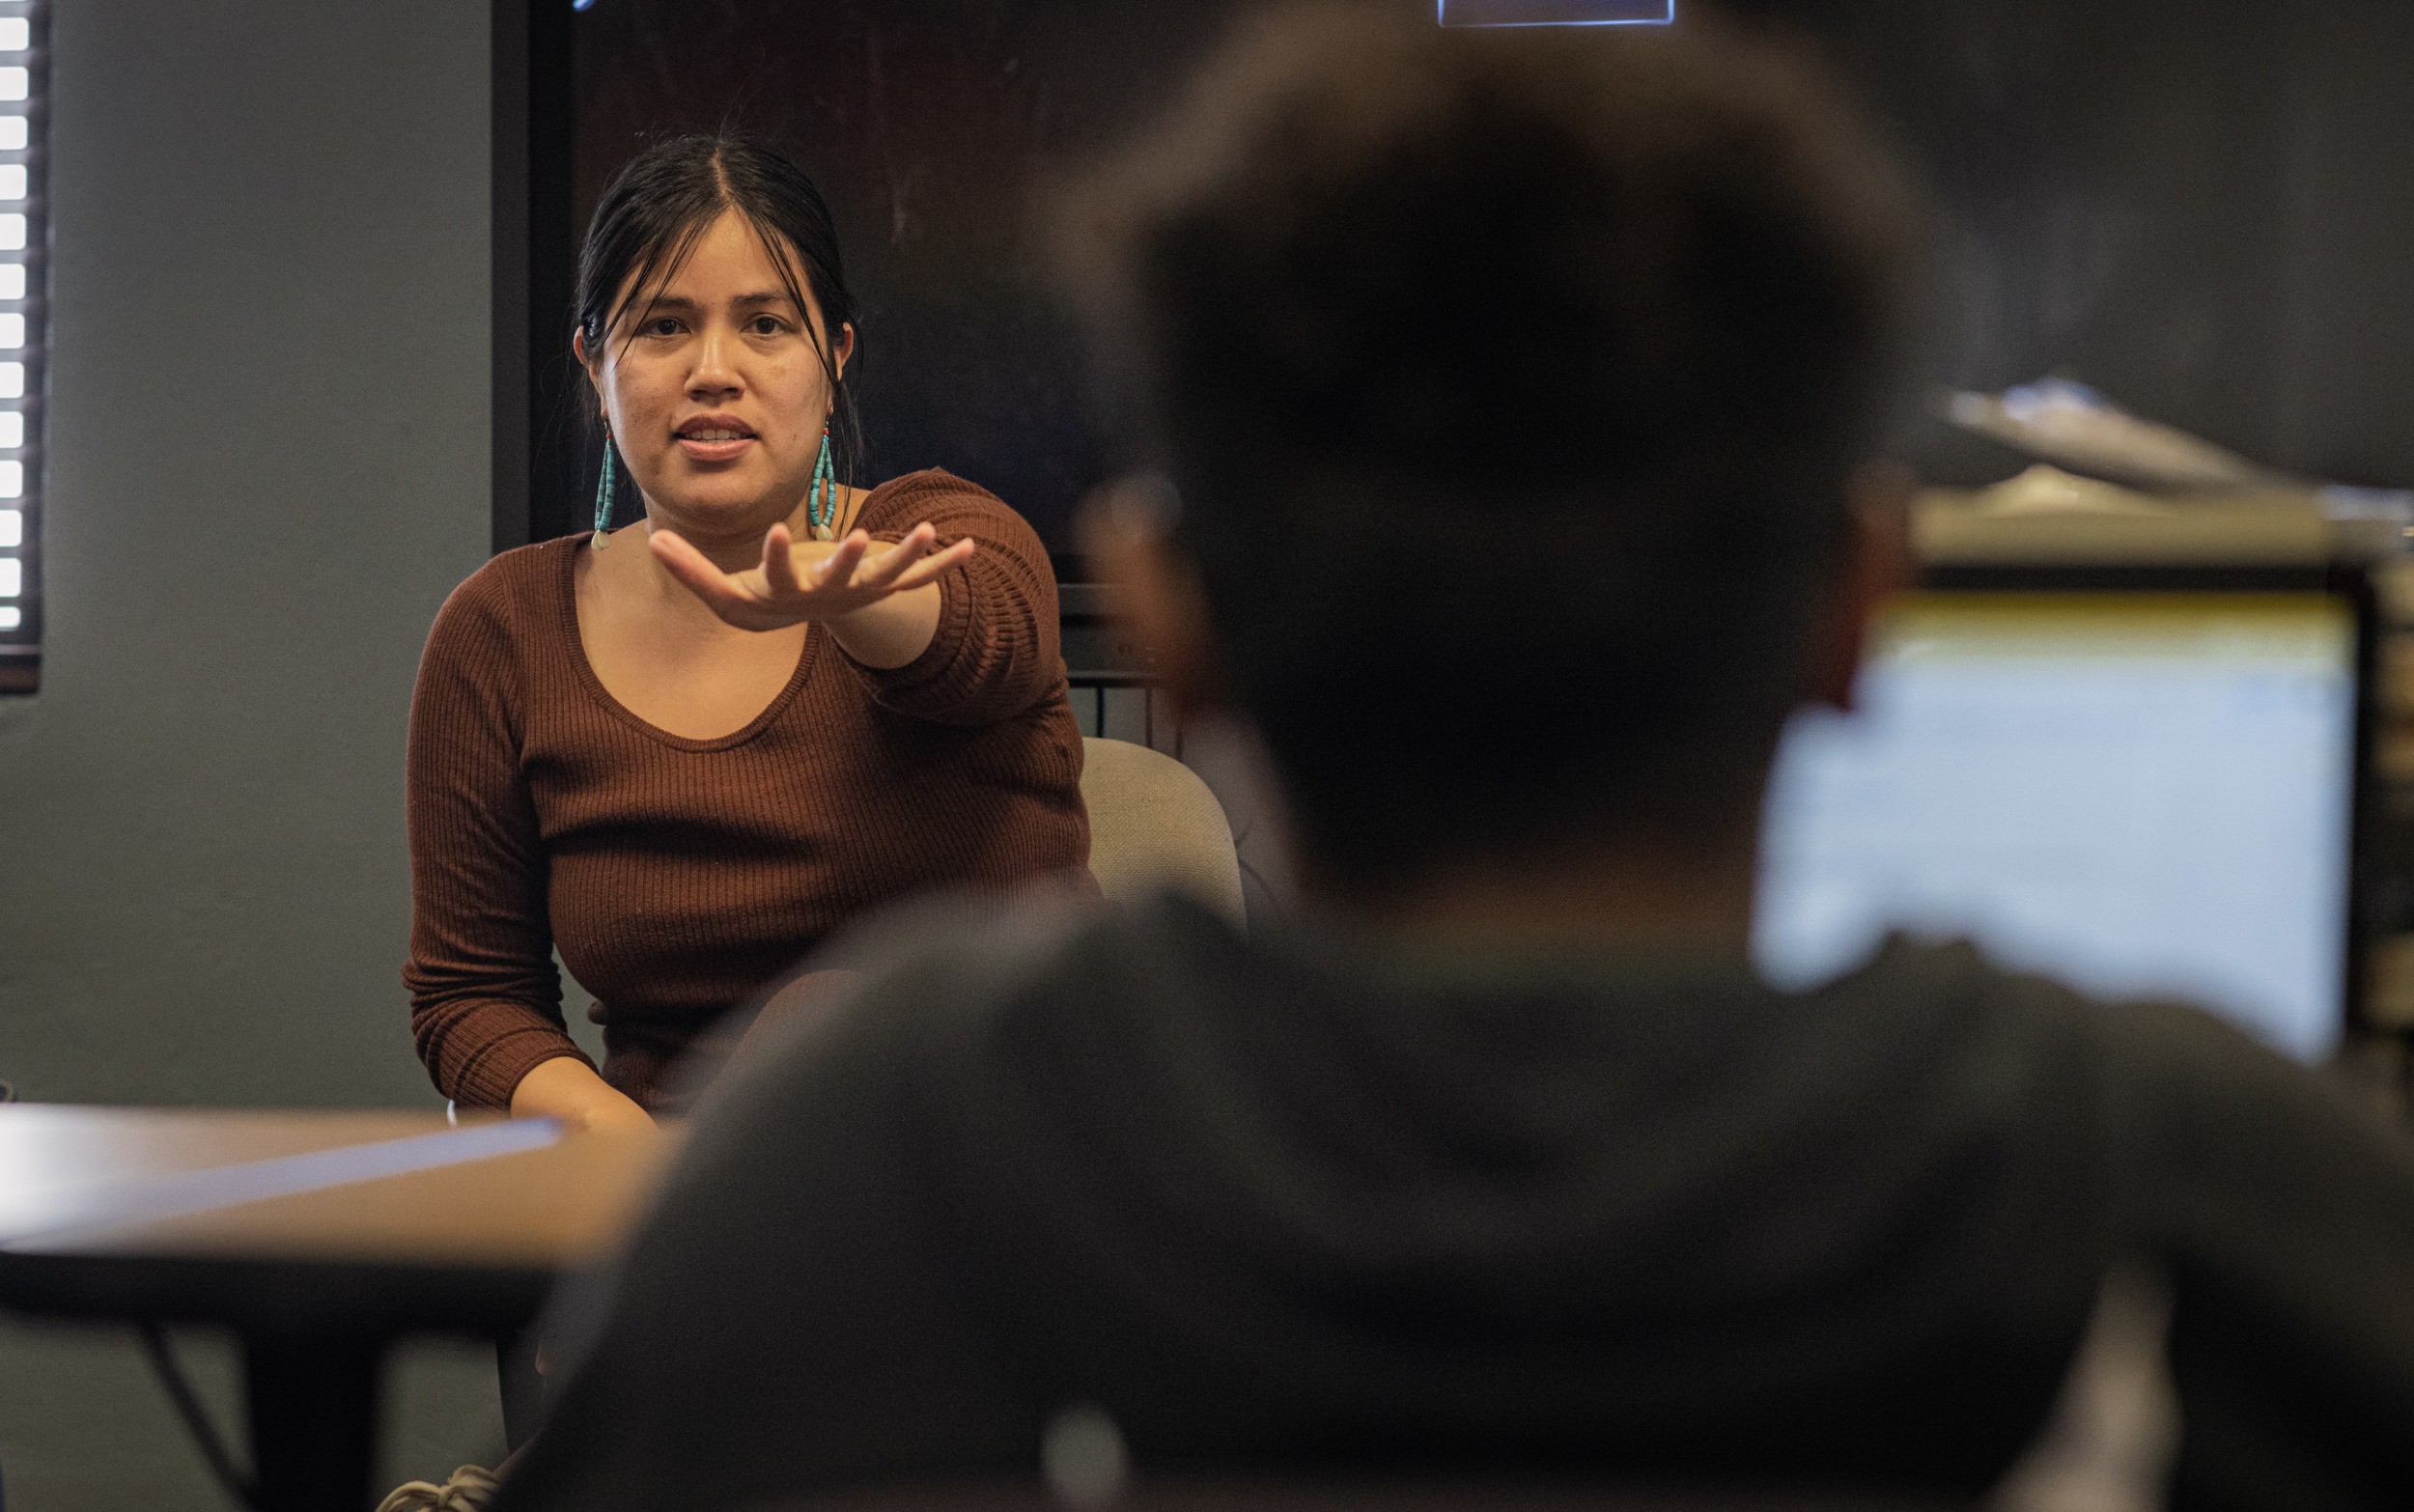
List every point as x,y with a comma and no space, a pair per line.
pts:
683,751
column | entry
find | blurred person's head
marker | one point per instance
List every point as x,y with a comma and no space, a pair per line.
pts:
1516,391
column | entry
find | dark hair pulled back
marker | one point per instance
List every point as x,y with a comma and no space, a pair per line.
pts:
659,205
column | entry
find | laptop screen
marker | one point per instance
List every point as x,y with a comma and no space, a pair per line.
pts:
2140,794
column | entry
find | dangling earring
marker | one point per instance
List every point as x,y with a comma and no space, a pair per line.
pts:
604,497
821,509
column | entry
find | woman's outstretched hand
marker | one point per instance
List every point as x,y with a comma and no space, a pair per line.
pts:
814,581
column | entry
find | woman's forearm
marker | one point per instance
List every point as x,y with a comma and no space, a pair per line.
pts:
891,633
571,1091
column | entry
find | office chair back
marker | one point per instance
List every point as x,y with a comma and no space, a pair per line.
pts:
1153,823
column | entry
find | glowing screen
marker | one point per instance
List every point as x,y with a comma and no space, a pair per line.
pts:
1558,13
2140,794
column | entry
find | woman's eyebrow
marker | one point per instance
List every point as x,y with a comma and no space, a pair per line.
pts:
683,305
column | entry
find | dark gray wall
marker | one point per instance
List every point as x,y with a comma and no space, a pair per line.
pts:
267,457
2200,205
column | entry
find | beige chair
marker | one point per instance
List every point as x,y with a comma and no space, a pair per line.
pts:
1153,823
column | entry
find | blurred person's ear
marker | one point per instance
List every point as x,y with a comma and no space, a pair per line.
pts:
1877,564
1126,536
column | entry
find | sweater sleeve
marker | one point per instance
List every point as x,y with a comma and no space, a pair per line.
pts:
485,997
995,653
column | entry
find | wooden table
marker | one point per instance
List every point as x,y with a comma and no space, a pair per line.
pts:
318,1237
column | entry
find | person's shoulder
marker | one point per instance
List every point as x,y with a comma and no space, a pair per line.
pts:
506,614
930,483
2150,1066
2199,1078
514,590
1944,1038
1955,986
1960,977
1962,990
907,500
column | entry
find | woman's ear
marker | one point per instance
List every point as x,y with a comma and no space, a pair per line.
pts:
587,360
843,348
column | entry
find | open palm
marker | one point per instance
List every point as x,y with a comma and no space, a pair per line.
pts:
811,581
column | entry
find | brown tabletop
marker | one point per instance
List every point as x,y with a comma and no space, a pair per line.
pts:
319,1236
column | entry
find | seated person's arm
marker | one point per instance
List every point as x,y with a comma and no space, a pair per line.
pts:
571,1091
486,999
878,601
955,622
895,631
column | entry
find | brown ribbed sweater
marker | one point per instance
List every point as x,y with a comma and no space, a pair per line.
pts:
677,876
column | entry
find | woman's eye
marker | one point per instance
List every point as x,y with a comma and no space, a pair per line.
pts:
666,327
766,325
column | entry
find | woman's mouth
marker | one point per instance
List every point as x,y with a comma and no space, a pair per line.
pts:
712,438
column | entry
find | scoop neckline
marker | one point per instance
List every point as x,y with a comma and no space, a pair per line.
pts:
566,581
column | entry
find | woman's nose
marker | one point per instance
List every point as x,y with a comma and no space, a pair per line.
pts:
714,371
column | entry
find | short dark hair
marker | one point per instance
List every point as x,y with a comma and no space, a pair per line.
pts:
1510,384
666,197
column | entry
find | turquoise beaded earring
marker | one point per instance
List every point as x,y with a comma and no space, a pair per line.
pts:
821,505
603,496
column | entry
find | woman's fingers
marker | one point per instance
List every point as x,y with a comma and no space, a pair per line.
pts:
838,568
875,568
693,567
930,568
904,554
850,577
779,564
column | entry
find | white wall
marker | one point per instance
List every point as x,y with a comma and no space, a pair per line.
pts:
268,464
